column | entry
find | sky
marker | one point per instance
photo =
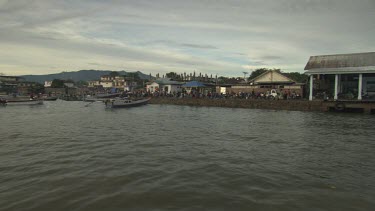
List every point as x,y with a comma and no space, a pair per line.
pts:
219,37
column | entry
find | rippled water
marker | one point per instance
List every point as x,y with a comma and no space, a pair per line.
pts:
65,156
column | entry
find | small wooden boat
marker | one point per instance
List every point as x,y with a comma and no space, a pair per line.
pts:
23,102
50,98
110,95
125,103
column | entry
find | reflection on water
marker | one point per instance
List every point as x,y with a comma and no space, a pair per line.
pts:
65,156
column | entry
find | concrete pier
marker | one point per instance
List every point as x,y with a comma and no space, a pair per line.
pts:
291,105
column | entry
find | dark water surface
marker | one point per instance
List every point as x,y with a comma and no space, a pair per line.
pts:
65,156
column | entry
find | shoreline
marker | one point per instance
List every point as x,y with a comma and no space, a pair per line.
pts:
289,105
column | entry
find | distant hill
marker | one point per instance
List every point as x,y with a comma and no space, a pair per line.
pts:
82,75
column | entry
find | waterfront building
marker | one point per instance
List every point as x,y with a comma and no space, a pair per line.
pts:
15,84
10,79
196,86
8,84
342,76
93,84
166,86
152,87
107,81
47,83
269,80
118,82
26,87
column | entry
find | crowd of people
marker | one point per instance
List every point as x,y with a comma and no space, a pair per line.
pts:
214,95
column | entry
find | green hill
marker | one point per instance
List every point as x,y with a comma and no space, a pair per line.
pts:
82,75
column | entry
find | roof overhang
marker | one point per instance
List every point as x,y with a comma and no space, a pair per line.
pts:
274,82
342,70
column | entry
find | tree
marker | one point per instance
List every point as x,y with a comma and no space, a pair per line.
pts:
260,71
173,76
82,83
257,73
133,76
57,83
297,77
36,88
114,74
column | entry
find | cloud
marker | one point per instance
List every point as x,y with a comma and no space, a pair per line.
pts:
94,63
199,46
270,57
158,36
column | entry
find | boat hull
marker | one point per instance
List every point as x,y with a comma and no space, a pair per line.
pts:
93,100
26,102
126,103
107,96
50,99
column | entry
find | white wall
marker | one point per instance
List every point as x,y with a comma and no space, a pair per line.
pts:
152,87
47,83
106,84
172,88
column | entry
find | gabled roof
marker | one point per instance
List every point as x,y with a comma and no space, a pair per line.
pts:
341,63
272,77
69,85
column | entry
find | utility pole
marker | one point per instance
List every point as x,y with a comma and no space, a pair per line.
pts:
244,75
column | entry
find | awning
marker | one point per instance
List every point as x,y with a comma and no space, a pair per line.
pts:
193,84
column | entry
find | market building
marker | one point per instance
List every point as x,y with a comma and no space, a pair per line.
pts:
269,80
342,76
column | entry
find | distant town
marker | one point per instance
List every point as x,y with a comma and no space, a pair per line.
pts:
168,84
328,77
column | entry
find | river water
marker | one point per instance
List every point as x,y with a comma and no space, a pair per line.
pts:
68,156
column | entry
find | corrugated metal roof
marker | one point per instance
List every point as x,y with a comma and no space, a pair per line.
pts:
287,79
342,70
341,61
193,84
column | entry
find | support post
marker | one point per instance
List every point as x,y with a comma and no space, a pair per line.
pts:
360,87
336,86
311,87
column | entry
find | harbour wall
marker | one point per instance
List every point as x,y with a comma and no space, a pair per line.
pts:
290,105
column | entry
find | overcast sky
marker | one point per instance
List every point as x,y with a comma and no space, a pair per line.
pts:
224,37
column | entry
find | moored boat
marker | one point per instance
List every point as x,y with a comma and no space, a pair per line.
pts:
109,95
50,98
23,102
125,102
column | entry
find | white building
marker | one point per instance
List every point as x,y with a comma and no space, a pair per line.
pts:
47,83
93,83
107,84
119,82
153,87
351,75
166,86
